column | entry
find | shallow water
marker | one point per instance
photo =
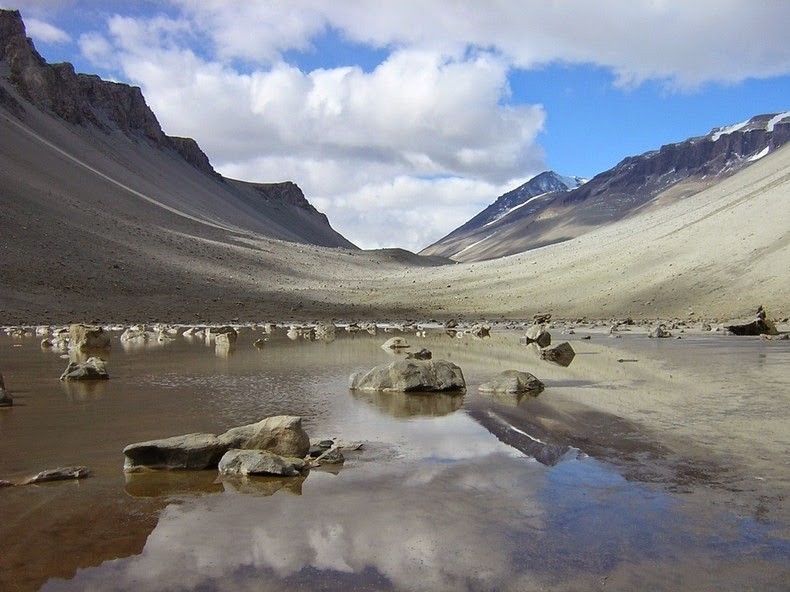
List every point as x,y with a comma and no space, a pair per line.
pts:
668,472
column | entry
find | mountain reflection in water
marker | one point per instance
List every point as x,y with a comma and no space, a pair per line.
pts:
668,472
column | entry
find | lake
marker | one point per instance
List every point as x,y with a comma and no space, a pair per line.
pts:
663,465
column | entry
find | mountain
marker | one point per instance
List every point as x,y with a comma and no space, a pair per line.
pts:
653,179
521,202
107,130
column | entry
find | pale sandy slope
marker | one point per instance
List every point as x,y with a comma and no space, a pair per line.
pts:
134,238
718,253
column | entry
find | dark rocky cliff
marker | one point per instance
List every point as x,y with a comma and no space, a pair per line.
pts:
82,99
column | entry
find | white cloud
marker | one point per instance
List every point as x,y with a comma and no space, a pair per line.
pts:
426,132
46,32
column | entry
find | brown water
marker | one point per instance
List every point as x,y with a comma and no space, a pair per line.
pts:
666,473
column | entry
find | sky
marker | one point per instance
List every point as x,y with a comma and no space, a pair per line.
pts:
402,119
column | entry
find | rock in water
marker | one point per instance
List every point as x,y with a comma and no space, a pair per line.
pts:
411,375
561,354
59,474
88,337
759,326
660,332
258,462
512,381
189,452
395,343
281,434
6,400
93,369
538,334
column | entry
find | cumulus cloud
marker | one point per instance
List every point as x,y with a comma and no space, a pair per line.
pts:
421,135
46,32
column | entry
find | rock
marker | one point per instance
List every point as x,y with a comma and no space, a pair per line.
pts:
587,337
6,400
541,318
136,335
423,354
411,375
280,434
46,343
88,337
756,327
561,354
59,474
326,331
225,340
480,330
395,343
2,382
538,334
93,369
660,332
258,462
333,456
4,483
259,343
512,381
451,324
189,452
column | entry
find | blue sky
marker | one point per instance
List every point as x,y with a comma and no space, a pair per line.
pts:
401,120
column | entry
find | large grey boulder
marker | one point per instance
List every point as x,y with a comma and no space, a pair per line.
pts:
512,382
280,434
411,375
258,462
189,452
88,337
659,332
92,369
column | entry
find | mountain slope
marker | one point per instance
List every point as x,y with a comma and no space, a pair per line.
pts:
650,180
106,133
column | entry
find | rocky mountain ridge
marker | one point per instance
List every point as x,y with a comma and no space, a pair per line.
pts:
657,177
97,105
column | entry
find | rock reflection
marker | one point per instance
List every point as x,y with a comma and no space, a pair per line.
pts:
84,390
154,484
411,404
263,486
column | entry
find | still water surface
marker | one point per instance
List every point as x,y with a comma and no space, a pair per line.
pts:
664,467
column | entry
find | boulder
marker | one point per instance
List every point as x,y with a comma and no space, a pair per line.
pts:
88,337
188,452
332,456
136,335
411,375
395,343
258,462
223,335
422,354
59,474
538,334
225,340
281,434
326,331
512,381
756,327
480,330
660,332
92,369
561,354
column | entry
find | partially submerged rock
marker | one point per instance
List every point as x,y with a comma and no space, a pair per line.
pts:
189,452
59,474
561,354
92,369
512,382
759,326
281,434
88,337
411,375
421,354
480,330
537,334
258,462
332,456
659,332
395,343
